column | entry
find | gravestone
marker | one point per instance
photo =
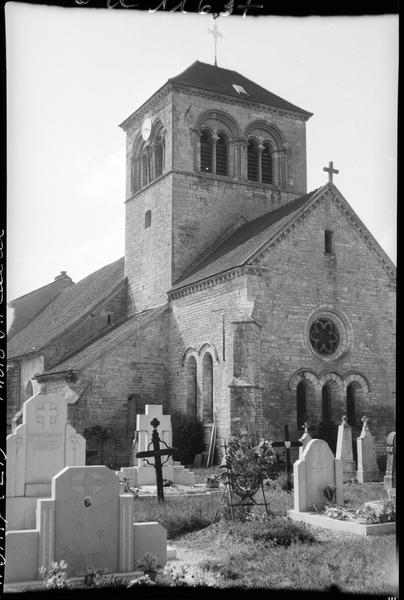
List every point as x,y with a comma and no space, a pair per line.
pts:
41,446
37,449
344,450
143,474
390,476
304,440
367,464
85,522
316,469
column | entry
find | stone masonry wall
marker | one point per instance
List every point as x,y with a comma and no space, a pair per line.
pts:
197,327
148,251
206,206
135,366
300,280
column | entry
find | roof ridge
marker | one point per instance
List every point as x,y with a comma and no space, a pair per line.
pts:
11,302
264,227
108,344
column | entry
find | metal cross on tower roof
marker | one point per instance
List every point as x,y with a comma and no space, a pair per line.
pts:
216,34
330,169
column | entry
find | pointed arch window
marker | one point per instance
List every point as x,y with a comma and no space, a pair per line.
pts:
206,151
252,160
221,154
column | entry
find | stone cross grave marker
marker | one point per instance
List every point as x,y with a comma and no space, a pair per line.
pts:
312,473
390,476
367,464
344,449
144,431
304,440
156,455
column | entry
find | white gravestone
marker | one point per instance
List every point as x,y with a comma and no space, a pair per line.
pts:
41,446
85,522
142,473
367,464
344,450
312,473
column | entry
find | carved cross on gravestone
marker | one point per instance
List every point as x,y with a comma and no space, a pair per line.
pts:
157,453
287,444
46,414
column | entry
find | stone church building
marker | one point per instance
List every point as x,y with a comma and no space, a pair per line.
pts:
242,297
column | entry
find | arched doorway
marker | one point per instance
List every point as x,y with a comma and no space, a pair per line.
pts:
192,387
207,388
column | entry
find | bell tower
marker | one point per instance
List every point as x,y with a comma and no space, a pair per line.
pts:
208,148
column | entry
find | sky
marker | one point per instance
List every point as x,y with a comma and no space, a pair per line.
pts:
74,74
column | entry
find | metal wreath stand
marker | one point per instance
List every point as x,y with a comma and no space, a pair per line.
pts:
243,486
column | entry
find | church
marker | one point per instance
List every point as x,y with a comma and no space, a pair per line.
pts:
243,298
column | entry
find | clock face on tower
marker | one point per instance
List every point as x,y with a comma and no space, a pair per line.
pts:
146,128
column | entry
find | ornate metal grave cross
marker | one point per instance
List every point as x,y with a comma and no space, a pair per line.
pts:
156,453
330,170
216,34
287,444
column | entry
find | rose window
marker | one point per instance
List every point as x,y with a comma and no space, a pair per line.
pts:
324,336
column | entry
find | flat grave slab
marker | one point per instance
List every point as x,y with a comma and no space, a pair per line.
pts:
316,520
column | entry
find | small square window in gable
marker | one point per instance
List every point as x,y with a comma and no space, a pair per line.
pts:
239,89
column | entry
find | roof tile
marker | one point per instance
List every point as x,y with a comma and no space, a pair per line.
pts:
66,309
236,249
216,79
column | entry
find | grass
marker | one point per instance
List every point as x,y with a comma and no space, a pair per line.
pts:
276,552
346,561
178,516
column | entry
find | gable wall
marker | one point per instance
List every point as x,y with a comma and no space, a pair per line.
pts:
300,278
296,280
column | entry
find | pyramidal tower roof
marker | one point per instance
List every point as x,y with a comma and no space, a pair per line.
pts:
224,81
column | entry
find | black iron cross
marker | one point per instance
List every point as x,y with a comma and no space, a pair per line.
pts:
156,453
330,170
287,444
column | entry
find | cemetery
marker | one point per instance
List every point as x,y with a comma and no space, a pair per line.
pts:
257,519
